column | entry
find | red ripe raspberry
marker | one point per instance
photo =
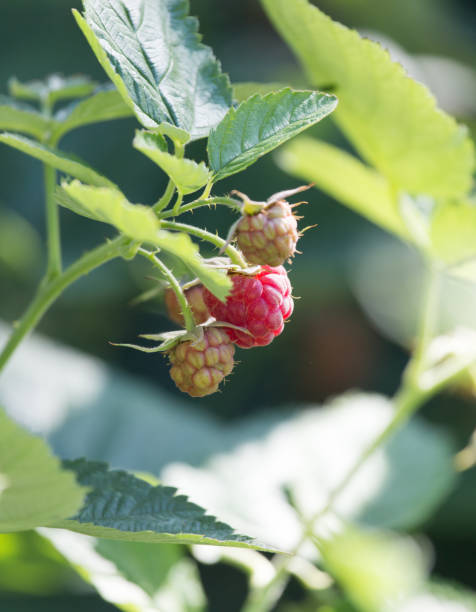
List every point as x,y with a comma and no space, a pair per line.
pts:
198,367
259,303
270,236
194,297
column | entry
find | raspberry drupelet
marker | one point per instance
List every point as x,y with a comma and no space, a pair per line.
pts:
259,303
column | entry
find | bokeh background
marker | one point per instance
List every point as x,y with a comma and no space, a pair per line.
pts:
331,344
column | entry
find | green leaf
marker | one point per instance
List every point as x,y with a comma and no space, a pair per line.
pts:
140,223
104,104
392,120
123,507
243,91
134,575
452,236
53,89
262,123
364,190
34,489
377,569
153,49
21,117
67,163
110,206
187,175
308,455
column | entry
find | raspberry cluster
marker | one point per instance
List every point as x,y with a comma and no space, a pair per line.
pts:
256,308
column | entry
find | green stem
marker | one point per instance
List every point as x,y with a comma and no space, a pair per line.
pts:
175,286
54,266
165,199
428,323
177,204
51,289
230,202
408,399
232,253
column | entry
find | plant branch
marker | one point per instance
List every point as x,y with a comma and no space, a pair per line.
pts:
51,288
235,256
230,202
53,234
408,399
175,286
164,201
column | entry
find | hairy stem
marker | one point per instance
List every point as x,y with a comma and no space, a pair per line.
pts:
230,202
52,224
175,286
235,256
51,288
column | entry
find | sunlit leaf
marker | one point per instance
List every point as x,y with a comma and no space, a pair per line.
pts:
140,223
377,569
152,51
67,163
134,575
452,236
34,489
187,175
364,190
392,120
123,507
110,206
262,123
309,455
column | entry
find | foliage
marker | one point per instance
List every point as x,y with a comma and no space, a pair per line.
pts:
325,485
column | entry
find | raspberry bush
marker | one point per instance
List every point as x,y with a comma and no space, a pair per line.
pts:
412,174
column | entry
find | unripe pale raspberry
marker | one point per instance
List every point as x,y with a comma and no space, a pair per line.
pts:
270,236
259,303
199,366
196,302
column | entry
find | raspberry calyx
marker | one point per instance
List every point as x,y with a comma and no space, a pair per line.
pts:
259,303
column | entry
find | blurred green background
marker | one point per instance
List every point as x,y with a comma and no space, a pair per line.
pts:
329,346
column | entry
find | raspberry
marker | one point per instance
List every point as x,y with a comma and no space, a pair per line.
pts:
270,236
194,297
259,303
199,366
